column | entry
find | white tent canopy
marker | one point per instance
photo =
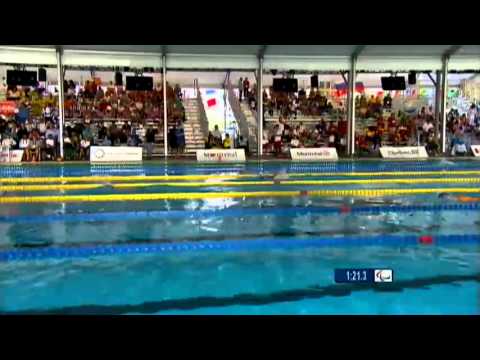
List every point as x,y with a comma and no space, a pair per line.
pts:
245,57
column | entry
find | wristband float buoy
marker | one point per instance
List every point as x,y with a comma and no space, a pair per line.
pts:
345,209
426,240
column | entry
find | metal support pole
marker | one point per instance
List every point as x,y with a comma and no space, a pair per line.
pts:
165,121
438,100
260,106
61,100
443,104
352,78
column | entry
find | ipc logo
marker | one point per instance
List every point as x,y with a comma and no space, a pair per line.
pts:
385,275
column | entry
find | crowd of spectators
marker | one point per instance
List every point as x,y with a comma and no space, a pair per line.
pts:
93,101
281,136
291,105
214,140
408,129
389,128
463,129
94,115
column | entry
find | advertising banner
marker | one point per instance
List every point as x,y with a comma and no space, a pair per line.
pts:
113,154
404,152
314,154
476,150
10,156
220,155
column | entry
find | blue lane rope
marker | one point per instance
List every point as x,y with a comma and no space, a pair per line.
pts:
292,167
227,245
232,212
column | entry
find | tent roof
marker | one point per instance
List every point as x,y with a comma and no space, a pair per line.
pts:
284,50
307,58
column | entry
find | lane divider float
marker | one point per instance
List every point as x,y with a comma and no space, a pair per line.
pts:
66,252
25,180
235,195
232,212
31,188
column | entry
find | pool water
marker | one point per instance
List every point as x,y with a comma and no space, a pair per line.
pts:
244,255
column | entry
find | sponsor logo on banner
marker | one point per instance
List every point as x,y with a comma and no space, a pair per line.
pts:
236,155
476,150
11,156
314,154
99,154
404,152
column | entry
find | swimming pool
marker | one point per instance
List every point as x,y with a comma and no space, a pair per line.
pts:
246,238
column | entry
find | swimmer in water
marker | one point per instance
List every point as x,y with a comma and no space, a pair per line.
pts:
459,198
361,202
278,178
108,185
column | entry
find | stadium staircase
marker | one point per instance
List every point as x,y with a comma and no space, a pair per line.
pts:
246,119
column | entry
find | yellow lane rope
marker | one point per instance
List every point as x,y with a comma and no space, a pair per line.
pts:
223,177
26,188
304,182
32,188
120,178
242,195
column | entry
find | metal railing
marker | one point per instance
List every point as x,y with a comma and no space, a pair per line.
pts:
242,121
237,110
202,114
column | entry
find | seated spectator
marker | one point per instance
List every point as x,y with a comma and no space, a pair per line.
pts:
277,140
84,149
227,143
8,142
150,141
210,141
133,140
387,101
180,137
373,136
295,142
35,147
432,147
243,144
217,136
178,92
50,148
459,147
24,144
427,126
246,88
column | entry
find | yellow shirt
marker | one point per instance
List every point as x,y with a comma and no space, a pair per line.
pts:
227,143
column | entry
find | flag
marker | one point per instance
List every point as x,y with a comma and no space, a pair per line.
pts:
211,102
359,87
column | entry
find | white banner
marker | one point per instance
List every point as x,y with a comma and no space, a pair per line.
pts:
476,150
237,155
314,154
404,152
105,154
11,156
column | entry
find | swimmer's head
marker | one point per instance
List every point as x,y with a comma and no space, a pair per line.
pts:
443,196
